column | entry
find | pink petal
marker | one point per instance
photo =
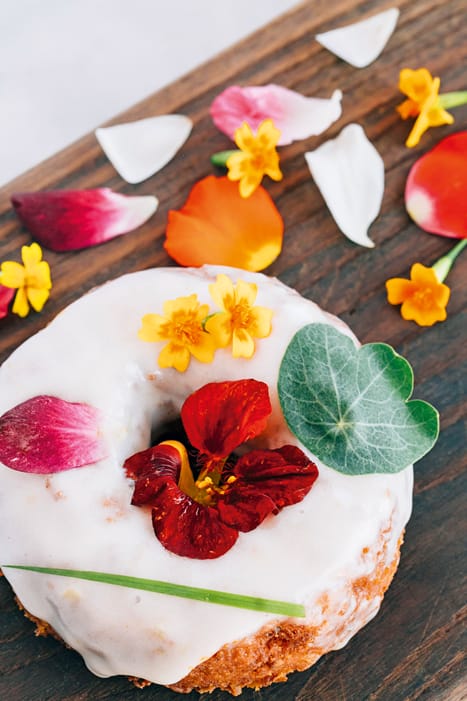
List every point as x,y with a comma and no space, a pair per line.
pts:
297,117
436,189
66,220
45,434
6,295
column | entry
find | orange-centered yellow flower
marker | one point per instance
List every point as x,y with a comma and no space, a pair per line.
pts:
423,102
182,327
423,297
31,279
239,322
257,156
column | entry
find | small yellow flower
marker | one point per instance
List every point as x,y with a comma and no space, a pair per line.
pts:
239,322
423,102
257,156
182,327
32,280
424,297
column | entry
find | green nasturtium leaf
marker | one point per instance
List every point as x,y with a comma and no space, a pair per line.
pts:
349,405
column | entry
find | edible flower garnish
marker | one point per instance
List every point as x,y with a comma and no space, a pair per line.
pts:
182,327
200,505
257,157
67,220
46,434
296,116
425,103
424,297
436,188
219,227
31,279
239,322
6,295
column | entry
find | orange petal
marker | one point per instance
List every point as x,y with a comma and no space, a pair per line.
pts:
219,227
420,274
398,289
410,311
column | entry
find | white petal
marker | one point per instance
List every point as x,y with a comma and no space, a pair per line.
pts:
139,149
361,43
308,116
349,173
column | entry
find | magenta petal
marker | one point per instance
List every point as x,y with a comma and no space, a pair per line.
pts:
66,220
6,295
44,435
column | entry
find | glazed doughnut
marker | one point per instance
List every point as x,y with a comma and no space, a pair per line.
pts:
335,551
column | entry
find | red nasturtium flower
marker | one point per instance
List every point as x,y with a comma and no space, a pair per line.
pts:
200,516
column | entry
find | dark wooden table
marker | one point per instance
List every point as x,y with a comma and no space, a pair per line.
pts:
415,647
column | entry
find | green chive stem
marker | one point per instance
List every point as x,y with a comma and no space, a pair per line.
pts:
452,99
212,596
444,264
220,159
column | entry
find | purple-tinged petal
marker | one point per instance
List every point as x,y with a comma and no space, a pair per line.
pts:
45,434
67,220
6,295
296,116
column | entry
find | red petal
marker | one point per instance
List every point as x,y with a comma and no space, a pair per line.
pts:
284,476
6,295
181,524
436,189
45,434
222,415
66,220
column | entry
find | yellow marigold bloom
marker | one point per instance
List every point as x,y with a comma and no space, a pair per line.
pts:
257,156
423,297
239,322
31,279
423,102
182,327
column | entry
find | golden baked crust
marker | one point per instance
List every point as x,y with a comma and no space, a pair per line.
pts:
284,647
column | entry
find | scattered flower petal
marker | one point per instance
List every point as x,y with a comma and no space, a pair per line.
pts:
362,42
296,116
182,327
6,295
423,297
423,100
201,519
257,157
436,188
139,149
219,227
44,435
32,280
67,220
349,173
240,321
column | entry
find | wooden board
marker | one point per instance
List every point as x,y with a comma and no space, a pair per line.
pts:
414,649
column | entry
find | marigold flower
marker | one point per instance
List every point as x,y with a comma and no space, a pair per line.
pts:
423,102
31,279
182,327
239,322
423,297
257,156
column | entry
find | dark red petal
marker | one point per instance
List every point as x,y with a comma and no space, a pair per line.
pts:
222,415
190,529
245,508
152,470
66,220
6,295
436,188
284,476
181,524
45,434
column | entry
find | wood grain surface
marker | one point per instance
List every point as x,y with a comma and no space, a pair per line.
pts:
415,648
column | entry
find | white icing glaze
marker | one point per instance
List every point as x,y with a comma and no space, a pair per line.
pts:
83,518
